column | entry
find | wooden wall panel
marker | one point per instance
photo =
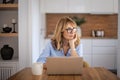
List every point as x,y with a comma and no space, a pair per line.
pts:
108,23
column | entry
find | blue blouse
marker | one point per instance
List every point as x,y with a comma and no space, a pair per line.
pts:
50,51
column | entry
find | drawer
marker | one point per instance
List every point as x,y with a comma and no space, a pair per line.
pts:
105,42
107,61
87,46
104,50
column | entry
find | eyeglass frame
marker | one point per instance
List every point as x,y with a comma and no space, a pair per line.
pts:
70,30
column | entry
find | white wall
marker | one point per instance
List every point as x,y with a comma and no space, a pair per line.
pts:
23,34
34,29
30,32
118,54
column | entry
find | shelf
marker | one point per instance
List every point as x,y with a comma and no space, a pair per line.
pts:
12,60
8,6
8,34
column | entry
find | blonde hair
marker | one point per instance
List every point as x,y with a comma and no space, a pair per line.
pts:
60,27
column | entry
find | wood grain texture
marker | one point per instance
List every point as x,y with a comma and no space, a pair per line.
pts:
108,23
88,74
8,6
8,34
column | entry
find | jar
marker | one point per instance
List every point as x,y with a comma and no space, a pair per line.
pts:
7,52
93,33
102,33
98,33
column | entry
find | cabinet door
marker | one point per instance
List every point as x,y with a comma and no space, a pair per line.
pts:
119,21
88,59
87,50
104,50
87,46
116,6
55,6
118,56
78,6
104,42
102,6
104,53
107,61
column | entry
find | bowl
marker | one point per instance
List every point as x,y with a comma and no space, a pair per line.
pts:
7,29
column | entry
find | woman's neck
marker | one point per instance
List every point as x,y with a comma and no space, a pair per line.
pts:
65,42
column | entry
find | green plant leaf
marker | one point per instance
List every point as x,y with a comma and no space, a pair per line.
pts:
79,21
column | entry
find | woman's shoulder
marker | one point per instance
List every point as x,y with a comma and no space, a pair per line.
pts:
49,42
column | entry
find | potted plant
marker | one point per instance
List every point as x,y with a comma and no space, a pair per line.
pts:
79,21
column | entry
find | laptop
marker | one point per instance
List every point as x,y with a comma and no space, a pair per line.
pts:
64,65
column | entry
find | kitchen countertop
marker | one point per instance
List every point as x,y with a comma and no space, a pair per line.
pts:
87,37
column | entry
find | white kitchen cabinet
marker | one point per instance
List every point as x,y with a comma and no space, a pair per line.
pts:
88,59
104,53
104,50
104,42
56,6
107,61
66,6
87,50
118,54
100,52
118,50
78,6
118,30
102,6
87,46
116,6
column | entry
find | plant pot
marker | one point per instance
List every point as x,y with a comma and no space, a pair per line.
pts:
7,52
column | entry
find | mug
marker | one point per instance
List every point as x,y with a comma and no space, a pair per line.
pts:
37,68
98,33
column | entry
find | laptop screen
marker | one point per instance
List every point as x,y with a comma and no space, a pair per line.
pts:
64,65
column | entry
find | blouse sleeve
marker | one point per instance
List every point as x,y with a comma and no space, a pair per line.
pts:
45,53
79,50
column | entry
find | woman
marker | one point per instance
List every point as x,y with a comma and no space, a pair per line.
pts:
65,41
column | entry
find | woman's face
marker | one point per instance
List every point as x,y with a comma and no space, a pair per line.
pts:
69,32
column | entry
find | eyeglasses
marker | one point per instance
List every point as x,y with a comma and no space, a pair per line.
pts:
70,30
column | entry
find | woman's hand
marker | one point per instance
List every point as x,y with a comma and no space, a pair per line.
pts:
72,46
72,42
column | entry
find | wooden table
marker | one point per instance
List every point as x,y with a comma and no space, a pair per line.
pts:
88,74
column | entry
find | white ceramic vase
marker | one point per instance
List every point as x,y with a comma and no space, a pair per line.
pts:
79,31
